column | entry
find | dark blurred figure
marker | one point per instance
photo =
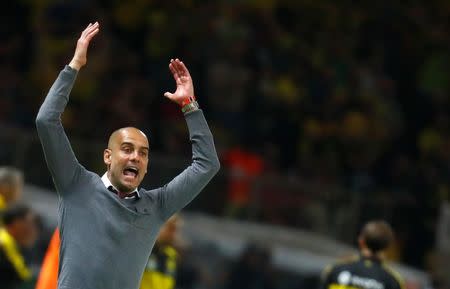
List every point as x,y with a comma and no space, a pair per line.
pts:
253,270
161,269
11,185
18,233
366,271
243,168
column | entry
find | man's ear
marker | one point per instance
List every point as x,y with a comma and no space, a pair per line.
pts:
107,157
361,242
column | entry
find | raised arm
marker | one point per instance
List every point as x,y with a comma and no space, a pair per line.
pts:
205,163
60,158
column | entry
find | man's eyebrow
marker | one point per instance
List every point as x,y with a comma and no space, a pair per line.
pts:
131,144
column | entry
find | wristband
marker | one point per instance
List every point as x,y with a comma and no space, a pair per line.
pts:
191,106
187,100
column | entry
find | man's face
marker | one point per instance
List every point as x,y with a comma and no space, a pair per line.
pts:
127,158
12,192
26,230
168,232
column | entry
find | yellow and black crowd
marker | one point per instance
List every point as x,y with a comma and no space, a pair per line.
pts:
18,230
341,96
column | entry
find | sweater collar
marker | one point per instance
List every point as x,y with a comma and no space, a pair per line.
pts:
108,184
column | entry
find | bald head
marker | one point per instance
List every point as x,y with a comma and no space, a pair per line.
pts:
118,134
11,183
126,158
376,236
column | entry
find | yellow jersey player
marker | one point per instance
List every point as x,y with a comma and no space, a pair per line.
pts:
160,272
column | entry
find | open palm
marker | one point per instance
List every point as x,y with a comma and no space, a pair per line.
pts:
80,56
185,87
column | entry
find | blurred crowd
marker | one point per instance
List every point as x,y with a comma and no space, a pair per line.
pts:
349,94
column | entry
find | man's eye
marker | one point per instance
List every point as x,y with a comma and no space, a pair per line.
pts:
127,150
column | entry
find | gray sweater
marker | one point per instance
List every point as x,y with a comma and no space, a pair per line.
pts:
106,241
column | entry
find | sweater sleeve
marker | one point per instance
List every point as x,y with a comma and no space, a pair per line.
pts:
60,158
205,164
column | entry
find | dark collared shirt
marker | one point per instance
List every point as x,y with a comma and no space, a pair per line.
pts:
361,273
110,187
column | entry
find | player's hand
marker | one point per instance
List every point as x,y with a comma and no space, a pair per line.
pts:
185,87
80,57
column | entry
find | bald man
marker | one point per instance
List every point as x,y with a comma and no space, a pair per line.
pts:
11,185
108,225
368,270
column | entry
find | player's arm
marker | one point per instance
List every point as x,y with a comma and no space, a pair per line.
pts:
205,163
59,156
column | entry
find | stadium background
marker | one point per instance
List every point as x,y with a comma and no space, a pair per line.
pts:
325,113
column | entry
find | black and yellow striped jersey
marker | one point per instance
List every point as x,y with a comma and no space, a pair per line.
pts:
160,272
13,269
361,273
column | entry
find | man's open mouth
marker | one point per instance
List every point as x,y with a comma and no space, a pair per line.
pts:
131,171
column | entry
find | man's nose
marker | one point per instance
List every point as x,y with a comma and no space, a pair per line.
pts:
135,156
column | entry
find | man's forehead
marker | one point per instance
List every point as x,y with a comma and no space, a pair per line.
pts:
129,135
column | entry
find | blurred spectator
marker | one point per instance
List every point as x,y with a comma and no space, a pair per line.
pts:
243,167
369,266
253,270
161,269
11,185
19,232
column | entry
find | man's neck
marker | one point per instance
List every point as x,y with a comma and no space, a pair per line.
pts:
117,187
365,252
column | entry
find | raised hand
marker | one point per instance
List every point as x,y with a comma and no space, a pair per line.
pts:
80,57
185,87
